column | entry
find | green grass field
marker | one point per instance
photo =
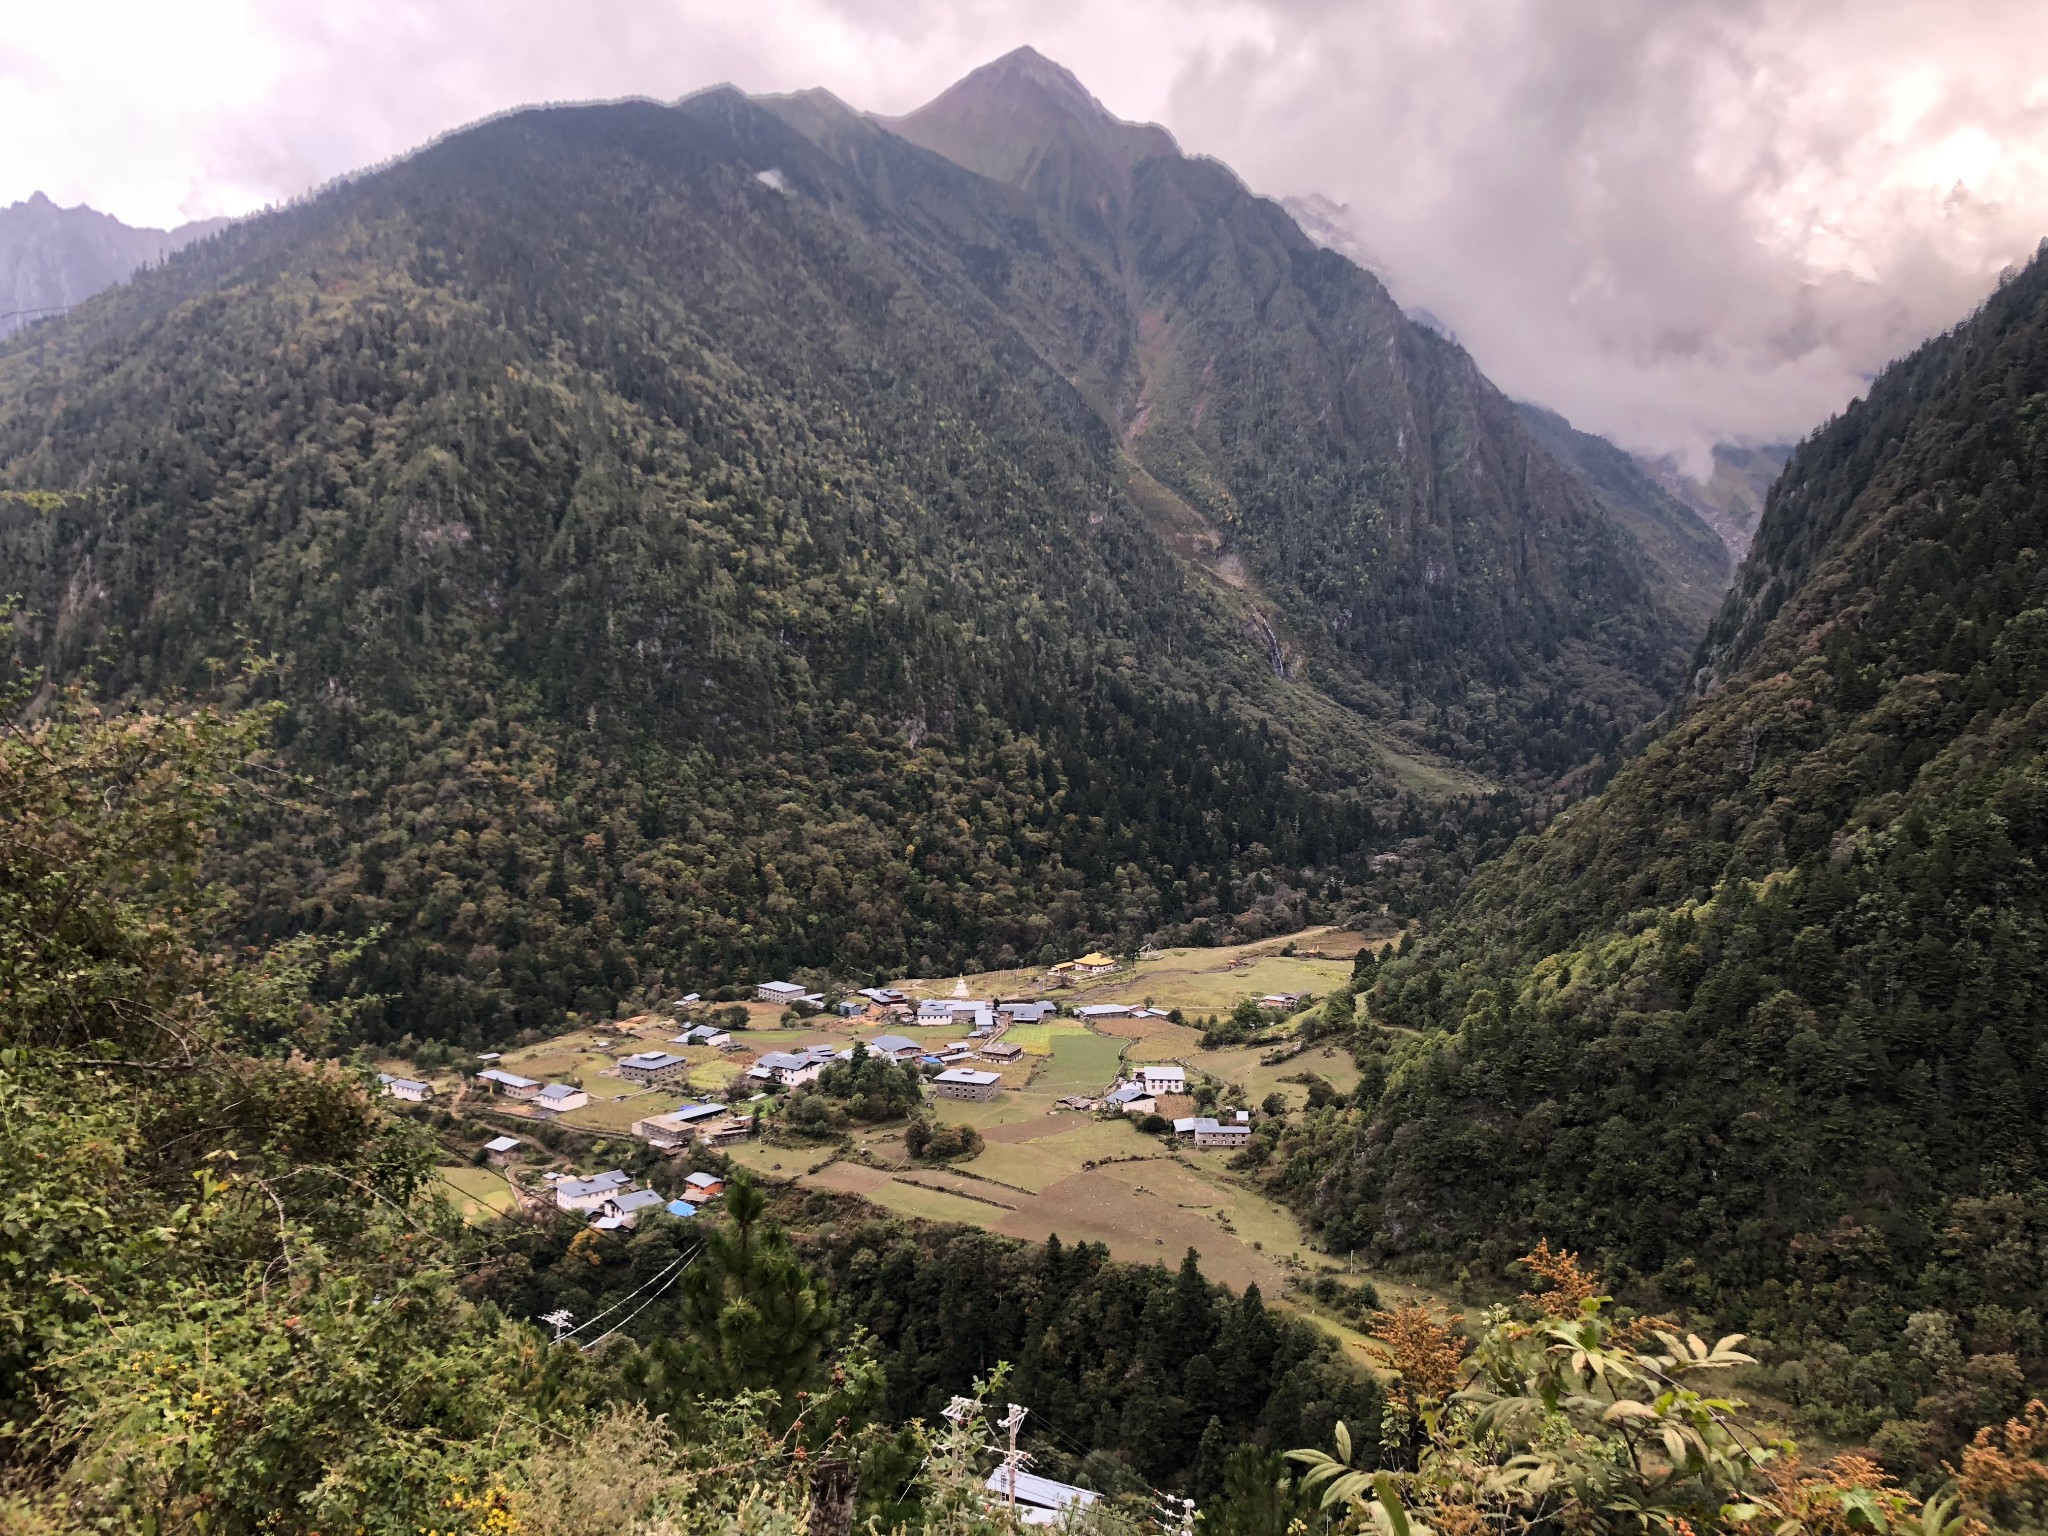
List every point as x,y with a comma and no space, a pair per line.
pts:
1028,1165
1241,1065
933,1205
1038,1038
1081,1063
476,1193
553,1064
619,1114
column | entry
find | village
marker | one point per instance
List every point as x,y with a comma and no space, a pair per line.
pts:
1079,1100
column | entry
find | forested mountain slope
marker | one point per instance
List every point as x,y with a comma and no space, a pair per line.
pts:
1353,472
1691,556
1763,1023
668,577
686,560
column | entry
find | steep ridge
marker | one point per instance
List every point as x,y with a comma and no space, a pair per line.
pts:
52,258
1763,1023
1437,570
727,538
675,575
1690,553
1729,501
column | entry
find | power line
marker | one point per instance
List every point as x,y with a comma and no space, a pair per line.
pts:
637,1290
47,309
633,1314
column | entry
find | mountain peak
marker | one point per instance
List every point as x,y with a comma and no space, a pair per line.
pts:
1005,119
1027,67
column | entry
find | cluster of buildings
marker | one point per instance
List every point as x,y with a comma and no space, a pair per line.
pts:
545,1099
1140,1093
613,1204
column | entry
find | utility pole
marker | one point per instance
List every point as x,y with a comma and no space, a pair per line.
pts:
559,1320
1013,1421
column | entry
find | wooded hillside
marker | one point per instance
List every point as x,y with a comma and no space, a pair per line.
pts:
1762,1024
680,568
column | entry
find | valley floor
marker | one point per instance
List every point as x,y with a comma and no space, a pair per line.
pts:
1045,1167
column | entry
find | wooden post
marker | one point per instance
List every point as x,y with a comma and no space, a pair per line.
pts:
832,1487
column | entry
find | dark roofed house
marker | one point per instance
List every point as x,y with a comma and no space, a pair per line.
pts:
702,1034
678,1126
626,1208
786,1068
509,1084
650,1067
964,1083
1104,1011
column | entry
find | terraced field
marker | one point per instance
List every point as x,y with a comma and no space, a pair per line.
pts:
1045,1169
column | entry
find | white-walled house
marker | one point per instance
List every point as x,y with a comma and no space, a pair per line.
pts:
509,1085
588,1194
1163,1077
786,1068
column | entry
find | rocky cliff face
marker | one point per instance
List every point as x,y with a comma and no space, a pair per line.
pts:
52,258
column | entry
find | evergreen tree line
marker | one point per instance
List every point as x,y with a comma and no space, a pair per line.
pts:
1761,1025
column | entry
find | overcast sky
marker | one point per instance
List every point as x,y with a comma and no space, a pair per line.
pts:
1677,221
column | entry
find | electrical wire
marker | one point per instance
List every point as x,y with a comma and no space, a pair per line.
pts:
637,1290
633,1314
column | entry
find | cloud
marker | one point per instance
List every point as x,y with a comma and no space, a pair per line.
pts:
1677,222
1680,222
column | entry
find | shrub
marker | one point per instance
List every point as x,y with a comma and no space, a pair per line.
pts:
941,1143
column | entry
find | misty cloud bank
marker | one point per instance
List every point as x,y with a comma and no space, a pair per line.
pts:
1679,222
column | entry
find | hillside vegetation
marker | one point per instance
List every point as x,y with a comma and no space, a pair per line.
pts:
236,1305
1762,1023
684,562
1423,558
